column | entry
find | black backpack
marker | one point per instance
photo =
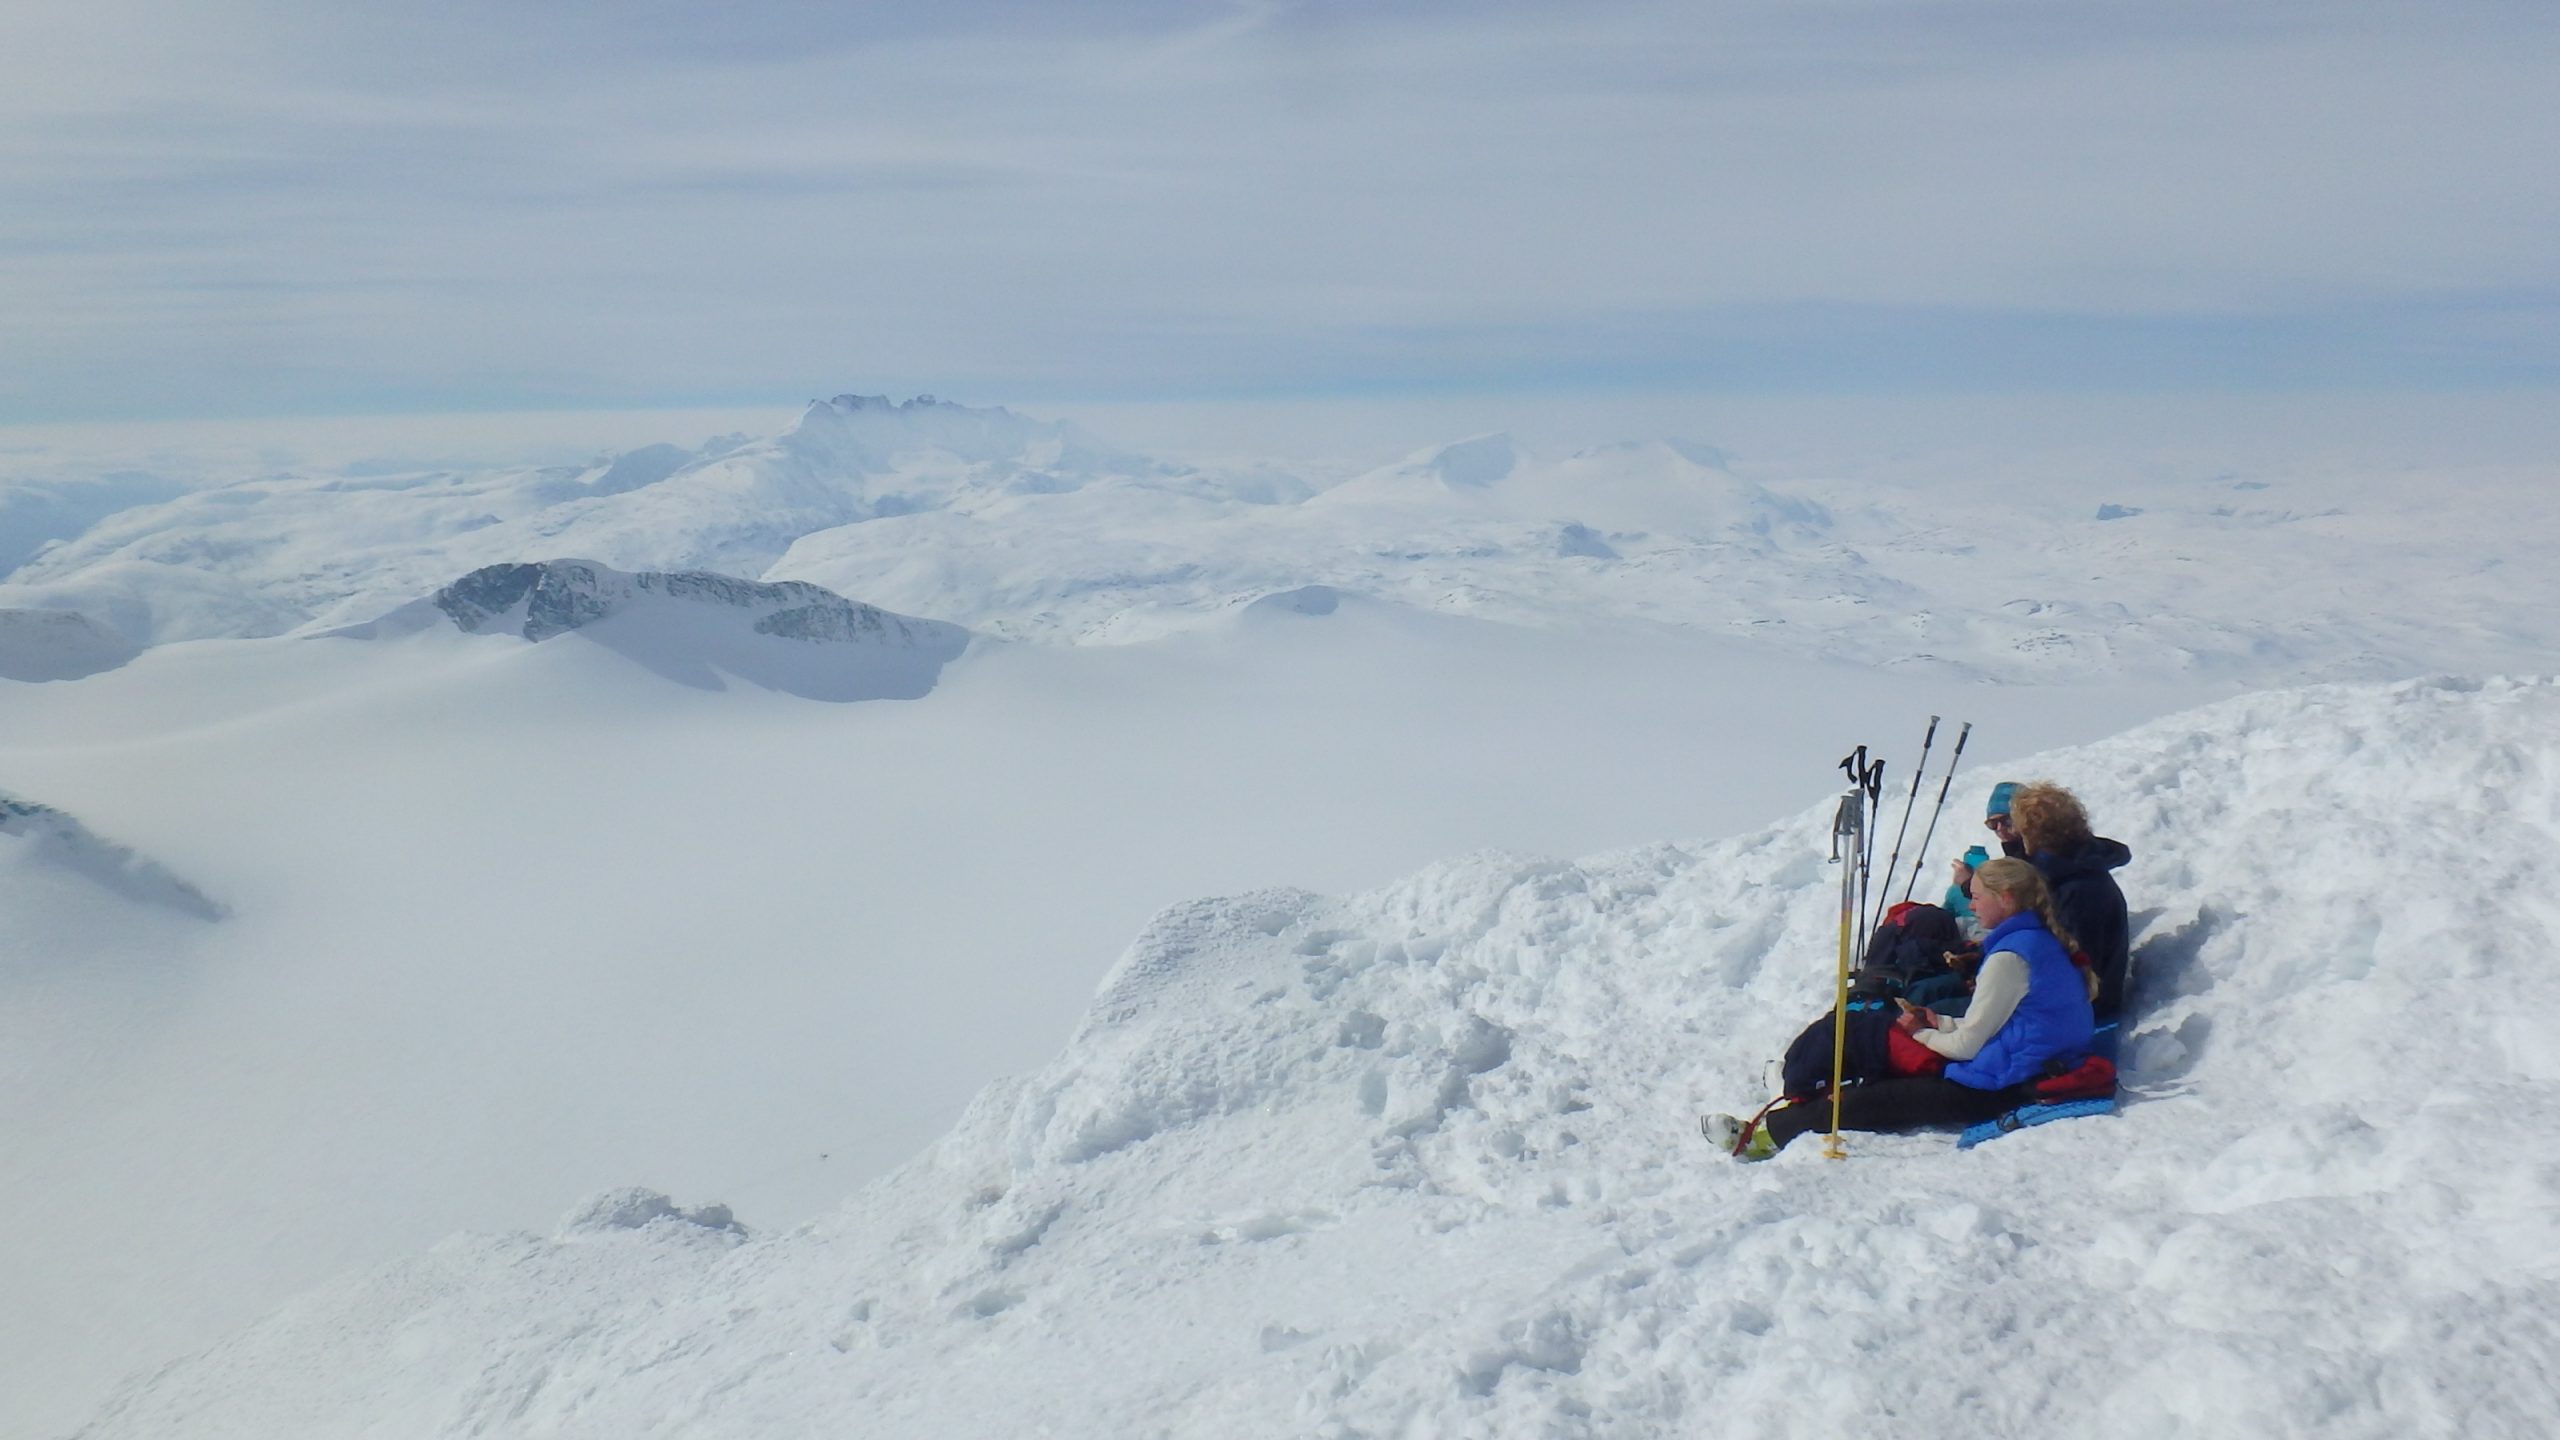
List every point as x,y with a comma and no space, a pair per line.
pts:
1912,945
1806,1071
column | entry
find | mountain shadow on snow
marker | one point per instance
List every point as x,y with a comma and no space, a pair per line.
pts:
696,627
54,838
40,645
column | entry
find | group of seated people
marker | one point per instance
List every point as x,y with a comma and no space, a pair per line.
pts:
2035,950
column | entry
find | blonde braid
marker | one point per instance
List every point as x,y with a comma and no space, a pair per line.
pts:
2024,884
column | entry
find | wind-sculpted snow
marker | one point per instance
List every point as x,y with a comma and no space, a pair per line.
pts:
47,837
1423,1161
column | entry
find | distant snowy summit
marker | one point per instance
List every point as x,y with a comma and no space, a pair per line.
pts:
874,435
696,626
1665,491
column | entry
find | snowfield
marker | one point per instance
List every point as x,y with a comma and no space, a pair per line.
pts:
1423,1161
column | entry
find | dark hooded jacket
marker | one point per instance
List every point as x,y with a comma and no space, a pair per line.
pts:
2086,900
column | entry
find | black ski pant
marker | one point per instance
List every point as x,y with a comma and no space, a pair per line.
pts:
1919,1102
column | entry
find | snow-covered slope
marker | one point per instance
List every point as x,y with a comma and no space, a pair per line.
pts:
1422,1161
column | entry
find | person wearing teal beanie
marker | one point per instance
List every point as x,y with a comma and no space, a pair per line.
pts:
1959,901
1995,818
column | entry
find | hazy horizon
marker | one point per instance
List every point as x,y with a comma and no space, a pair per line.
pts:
251,210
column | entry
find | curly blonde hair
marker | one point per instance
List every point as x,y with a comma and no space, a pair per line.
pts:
2048,817
2023,886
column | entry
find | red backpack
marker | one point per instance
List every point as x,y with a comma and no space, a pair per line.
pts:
2092,1079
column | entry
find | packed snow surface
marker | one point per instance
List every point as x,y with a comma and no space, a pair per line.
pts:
1424,1161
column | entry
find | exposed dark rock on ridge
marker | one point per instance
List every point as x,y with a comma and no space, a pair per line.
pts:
700,628
559,596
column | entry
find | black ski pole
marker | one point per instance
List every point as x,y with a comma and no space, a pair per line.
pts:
1935,811
1910,803
1867,851
1866,780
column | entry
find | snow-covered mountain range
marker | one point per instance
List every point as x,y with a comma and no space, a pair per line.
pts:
292,552
1421,1161
1021,528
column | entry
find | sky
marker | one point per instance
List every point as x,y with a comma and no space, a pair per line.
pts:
244,208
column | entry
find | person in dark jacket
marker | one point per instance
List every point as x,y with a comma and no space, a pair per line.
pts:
2076,865
2030,1008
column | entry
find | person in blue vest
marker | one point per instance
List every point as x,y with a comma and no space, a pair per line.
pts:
2030,1010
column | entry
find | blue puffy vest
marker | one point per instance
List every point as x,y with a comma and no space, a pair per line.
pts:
2053,1020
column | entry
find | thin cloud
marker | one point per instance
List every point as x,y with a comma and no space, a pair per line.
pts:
416,206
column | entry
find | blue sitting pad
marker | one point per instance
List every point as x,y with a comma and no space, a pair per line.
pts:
2026,1115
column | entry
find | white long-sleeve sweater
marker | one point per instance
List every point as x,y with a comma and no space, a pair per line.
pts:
1997,989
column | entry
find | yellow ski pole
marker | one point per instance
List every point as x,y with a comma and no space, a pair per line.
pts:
1849,824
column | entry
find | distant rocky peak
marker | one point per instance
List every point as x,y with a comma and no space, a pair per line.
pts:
932,443
553,597
854,404
874,434
880,409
